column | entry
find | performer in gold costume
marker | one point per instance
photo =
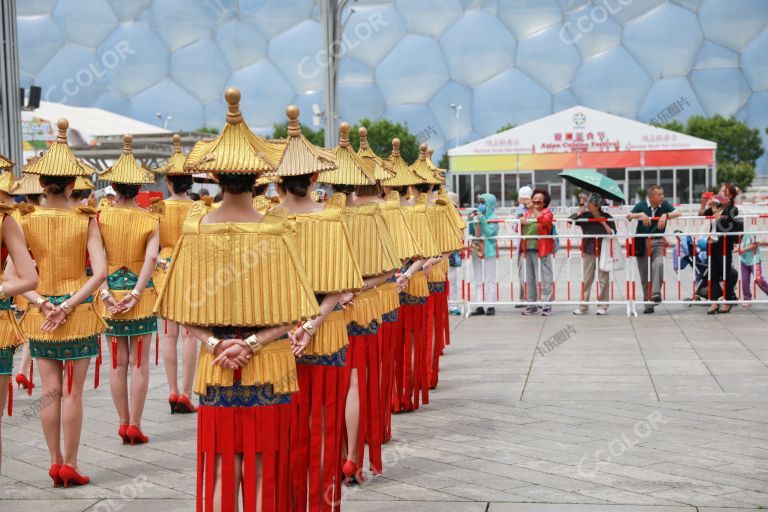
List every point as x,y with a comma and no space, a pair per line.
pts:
20,278
61,322
238,283
173,211
132,242
375,253
411,363
321,344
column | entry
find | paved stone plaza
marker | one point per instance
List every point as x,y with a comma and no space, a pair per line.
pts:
672,405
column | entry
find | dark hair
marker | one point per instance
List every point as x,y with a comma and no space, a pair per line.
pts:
33,198
181,183
297,185
126,191
194,196
368,190
236,183
56,185
403,191
547,197
731,190
259,190
217,198
80,194
424,188
344,189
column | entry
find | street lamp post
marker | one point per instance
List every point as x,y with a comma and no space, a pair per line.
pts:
456,111
331,11
10,107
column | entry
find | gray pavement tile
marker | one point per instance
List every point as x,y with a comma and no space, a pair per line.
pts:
414,506
530,507
36,505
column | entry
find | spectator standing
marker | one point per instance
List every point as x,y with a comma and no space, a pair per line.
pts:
724,220
454,267
590,251
484,251
538,252
652,214
524,204
751,263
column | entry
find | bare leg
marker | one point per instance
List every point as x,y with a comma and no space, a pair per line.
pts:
352,416
188,362
217,483
139,378
25,358
170,356
50,405
3,397
73,412
118,380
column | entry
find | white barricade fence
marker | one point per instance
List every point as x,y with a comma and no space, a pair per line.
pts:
687,256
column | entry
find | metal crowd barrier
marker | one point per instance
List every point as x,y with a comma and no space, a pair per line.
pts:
568,287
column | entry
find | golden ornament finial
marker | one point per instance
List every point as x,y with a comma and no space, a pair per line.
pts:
423,152
63,125
127,142
396,146
363,133
344,135
232,95
294,130
177,143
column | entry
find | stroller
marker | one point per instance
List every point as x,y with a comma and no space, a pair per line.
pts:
684,255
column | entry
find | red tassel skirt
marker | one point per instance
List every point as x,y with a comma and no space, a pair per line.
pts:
387,361
227,431
317,420
363,355
436,330
409,338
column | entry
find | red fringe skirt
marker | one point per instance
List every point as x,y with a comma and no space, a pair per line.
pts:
363,355
387,386
409,339
317,421
437,333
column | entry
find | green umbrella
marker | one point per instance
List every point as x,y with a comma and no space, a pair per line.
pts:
593,181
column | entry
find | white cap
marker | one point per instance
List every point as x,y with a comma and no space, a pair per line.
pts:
109,191
525,192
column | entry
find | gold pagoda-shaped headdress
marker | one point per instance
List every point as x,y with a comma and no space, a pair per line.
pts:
83,183
7,180
236,150
298,155
127,170
403,176
58,160
351,168
421,169
28,185
175,164
5,164
438,172
381,169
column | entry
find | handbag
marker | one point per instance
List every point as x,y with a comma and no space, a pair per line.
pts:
478,246
611,262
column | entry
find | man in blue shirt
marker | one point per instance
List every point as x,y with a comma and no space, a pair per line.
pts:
653,215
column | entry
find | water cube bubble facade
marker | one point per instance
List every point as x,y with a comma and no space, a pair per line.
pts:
503,61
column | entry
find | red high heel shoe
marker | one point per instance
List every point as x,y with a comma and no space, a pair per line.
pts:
122,432
173,400
351,473
23,382
185,405
54,474
135,435
70,476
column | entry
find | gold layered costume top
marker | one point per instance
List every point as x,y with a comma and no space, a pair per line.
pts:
126,232
171,214
327,252
418,220
405,241
375,252
225,275
10,333
58,241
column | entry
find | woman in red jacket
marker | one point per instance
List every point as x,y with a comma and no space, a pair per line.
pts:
538,252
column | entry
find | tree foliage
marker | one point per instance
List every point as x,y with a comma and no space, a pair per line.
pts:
740,174
380,135
316,137
506,127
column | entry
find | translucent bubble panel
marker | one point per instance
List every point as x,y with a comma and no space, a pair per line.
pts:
713,56
371,33
168,99
265,93
39,40
241,44
591,29
626,10
34,7
692,5
754,61
477,47
299,55
733,23
353,72
614,71
511,97
305,100
128,10
179,22
563,100
664,41
444,112
274,16
571,5
420,122
186,66
429,17
548,46
670,100
525,17
87,27
134,58
113,102
721,91
74,76
405,79
357,101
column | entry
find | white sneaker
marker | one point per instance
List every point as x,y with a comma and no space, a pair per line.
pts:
602,311
580,311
